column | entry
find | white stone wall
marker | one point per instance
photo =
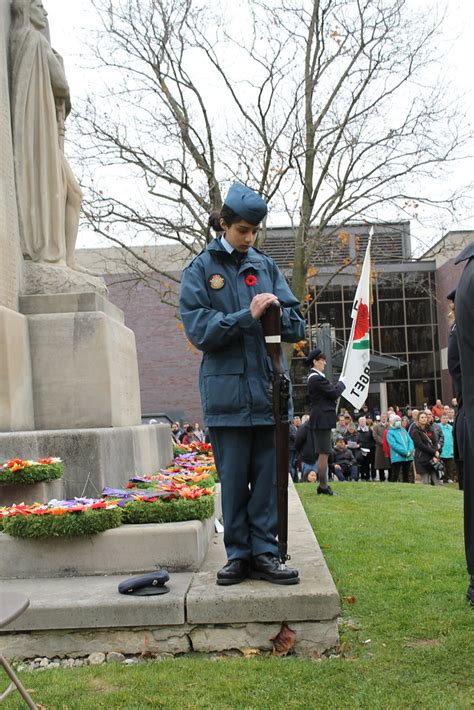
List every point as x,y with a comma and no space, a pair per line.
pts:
9,235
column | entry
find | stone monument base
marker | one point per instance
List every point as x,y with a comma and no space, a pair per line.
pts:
84,369
93,458
16,394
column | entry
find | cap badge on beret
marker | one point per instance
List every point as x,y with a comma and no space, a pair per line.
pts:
246,203
216,281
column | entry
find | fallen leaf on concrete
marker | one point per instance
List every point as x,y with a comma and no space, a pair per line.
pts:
284,641
350,600
250,652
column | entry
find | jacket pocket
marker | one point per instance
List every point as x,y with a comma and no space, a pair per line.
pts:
223,385
223,394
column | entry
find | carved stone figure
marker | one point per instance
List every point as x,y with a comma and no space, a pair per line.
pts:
49,197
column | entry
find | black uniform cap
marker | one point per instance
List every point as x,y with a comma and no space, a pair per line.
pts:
314,354
146,585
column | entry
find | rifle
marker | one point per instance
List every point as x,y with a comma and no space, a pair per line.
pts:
280,398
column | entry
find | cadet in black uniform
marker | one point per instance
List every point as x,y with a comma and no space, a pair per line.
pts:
323,396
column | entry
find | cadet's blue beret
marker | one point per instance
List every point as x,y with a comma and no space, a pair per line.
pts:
314,354
146,585
246,203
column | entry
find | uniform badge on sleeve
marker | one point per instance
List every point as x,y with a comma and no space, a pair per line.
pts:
216,281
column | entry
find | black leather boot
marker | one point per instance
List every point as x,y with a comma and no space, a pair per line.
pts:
267,567
234,572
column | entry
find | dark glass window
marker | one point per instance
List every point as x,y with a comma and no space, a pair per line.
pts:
391,313
392,340
397,393
420,339
418,312
330,313
349,293
389,286
421,366
422,392
332,293
401,373
300,399
299,371
417,285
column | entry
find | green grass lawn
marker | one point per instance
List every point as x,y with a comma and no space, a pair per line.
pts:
396,554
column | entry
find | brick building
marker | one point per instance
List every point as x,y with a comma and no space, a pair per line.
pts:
409,311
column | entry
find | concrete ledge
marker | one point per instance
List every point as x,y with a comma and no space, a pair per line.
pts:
155,639
311,638
315,598
95,458
69,303
130,549
95,603
33,493
79,615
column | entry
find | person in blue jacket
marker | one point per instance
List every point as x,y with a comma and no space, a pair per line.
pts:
225,290
402,449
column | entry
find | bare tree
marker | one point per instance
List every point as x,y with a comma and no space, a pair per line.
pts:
329,108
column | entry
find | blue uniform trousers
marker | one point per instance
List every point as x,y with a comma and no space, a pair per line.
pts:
246,463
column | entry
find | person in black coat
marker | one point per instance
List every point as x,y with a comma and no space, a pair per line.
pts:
323,396
454,367
367,446
426,450
465,339
304,446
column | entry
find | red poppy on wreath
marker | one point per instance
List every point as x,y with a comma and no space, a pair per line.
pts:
250,280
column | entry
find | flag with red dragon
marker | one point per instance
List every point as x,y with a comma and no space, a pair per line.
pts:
356,367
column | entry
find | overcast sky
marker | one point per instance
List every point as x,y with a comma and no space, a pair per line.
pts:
71,22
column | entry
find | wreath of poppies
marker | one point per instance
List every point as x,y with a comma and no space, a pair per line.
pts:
25,471
185,490
250,280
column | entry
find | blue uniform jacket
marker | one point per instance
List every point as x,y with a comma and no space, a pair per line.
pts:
235,375
323,396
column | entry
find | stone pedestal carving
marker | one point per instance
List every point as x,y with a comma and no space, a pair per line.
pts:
44,279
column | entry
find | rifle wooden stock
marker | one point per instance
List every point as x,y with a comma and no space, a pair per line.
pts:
271,323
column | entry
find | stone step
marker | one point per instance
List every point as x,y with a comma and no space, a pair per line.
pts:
78,615
129,549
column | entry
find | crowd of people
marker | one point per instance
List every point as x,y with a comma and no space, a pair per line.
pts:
187,433
394,446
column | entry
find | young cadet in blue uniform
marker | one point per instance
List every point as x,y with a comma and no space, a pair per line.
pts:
224,292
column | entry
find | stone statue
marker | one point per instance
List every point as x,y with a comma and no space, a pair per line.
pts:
49,197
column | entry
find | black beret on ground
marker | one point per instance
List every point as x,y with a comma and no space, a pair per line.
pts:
146,585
